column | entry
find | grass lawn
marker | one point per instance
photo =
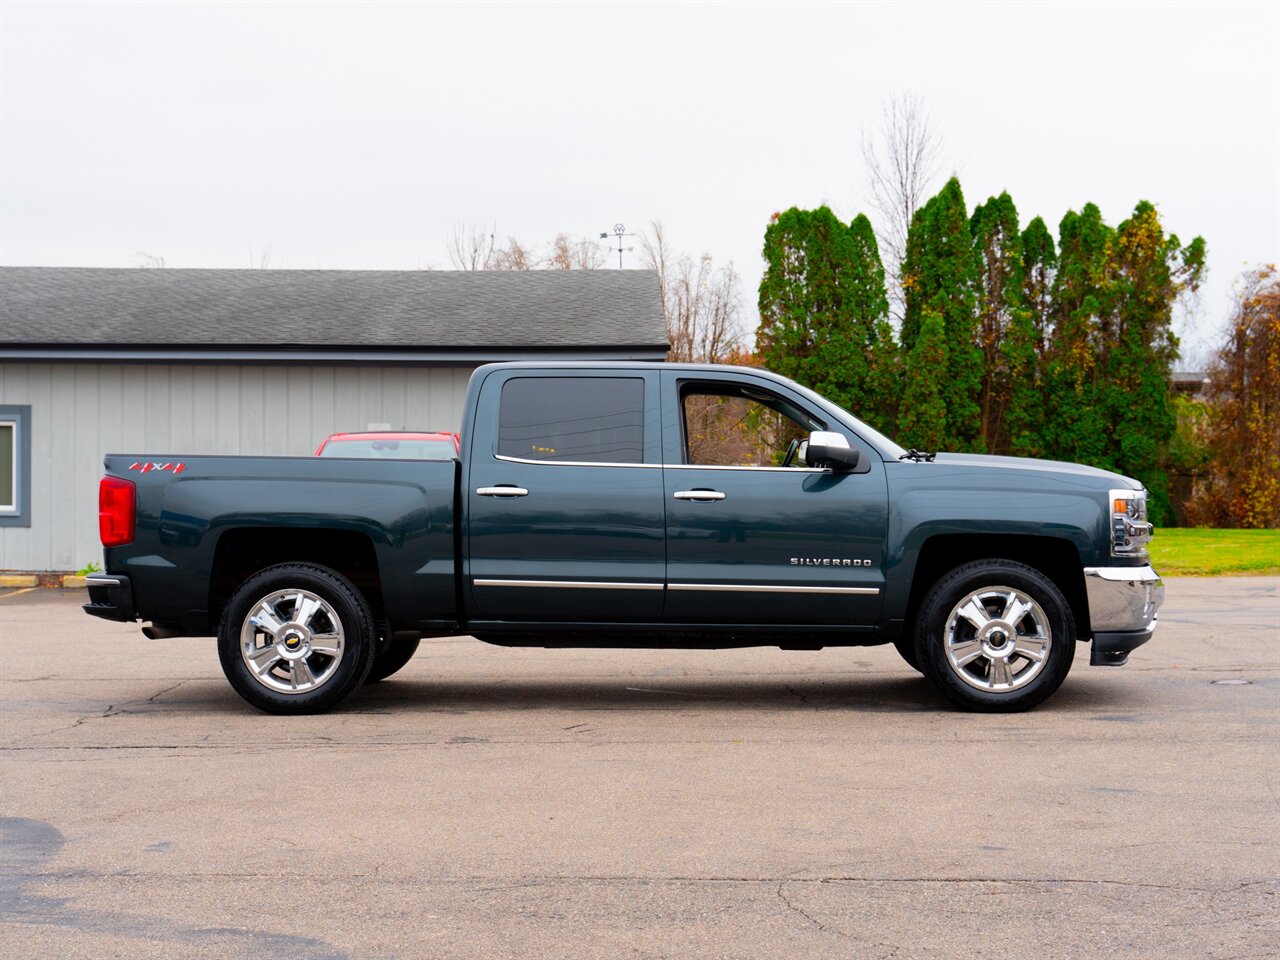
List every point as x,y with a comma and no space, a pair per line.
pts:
1200,552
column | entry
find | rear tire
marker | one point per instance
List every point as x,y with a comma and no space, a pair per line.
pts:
906,646
296,638
995,636
393,657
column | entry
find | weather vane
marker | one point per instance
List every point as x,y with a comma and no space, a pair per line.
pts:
619,231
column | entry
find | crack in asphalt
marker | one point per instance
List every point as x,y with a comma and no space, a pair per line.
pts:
113,711
808,916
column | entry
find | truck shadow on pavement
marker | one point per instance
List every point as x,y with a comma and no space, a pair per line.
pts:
906,694
659,691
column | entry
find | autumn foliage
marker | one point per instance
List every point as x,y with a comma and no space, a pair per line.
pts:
1241,485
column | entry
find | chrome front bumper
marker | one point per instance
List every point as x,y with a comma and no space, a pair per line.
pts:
1122,610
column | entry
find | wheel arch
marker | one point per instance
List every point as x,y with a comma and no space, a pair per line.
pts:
242,552
1057,558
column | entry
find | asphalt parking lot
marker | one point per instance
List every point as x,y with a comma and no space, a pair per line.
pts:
489,802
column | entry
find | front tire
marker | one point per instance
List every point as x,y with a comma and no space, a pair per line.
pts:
995,636
296,638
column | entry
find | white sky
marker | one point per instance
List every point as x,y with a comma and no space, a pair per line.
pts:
357,136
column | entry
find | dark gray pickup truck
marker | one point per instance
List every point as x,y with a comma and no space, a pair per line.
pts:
632,505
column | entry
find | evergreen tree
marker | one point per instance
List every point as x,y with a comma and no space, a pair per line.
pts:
1148,271
1039,267
824,312
939,276
1112,348
1029,342
1004,328
922,422
868,355
1075,427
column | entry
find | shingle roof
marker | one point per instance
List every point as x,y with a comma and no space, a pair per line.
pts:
326,309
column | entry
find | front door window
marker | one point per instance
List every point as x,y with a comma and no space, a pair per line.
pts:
736,427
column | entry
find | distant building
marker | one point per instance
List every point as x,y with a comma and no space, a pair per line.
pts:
1190,382
260,362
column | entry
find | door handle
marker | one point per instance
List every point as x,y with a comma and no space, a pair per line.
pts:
502,490
699,495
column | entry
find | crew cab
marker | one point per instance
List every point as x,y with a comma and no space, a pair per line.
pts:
632,505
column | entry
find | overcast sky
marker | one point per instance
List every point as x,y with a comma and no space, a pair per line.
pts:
356,136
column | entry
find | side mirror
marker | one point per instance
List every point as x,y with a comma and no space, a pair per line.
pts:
832,450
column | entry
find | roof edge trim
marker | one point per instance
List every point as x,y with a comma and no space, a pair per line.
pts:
325,357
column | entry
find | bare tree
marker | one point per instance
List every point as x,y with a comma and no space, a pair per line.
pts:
569,254
262,260
470,246
903,158
702,303
474,247
149,261
512,256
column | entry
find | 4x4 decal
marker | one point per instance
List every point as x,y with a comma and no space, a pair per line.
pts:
148,466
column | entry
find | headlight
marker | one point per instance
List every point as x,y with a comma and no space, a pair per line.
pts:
1130,532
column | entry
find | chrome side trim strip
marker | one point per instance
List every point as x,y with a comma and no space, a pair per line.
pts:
576,463
657,466
699,466
638,585
99,580
569,584
769,588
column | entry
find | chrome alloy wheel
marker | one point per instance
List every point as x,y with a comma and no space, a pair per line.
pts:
292,641
997,639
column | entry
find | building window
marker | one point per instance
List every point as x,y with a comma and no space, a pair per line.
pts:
15,466
578,419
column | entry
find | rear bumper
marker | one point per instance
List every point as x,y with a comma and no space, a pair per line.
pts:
1122,610
110,597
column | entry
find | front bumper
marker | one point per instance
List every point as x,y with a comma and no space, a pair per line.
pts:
110,597
1122,610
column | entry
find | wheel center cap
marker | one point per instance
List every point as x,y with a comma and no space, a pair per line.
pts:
291,641
997,639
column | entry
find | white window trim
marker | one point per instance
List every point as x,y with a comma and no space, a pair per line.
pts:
18,513
12,508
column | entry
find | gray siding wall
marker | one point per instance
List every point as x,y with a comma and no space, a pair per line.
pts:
81,412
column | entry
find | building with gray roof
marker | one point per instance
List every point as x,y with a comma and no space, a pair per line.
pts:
260,362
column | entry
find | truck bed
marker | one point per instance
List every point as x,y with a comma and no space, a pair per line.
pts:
203,522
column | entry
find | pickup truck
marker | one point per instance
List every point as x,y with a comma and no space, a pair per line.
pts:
632,505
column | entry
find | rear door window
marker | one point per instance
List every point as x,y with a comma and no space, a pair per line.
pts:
575,419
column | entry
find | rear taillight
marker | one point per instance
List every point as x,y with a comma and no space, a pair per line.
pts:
116,500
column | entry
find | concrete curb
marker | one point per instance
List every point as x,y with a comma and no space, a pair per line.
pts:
51,580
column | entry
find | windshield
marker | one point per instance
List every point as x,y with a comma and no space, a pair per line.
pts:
887,447
391,449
